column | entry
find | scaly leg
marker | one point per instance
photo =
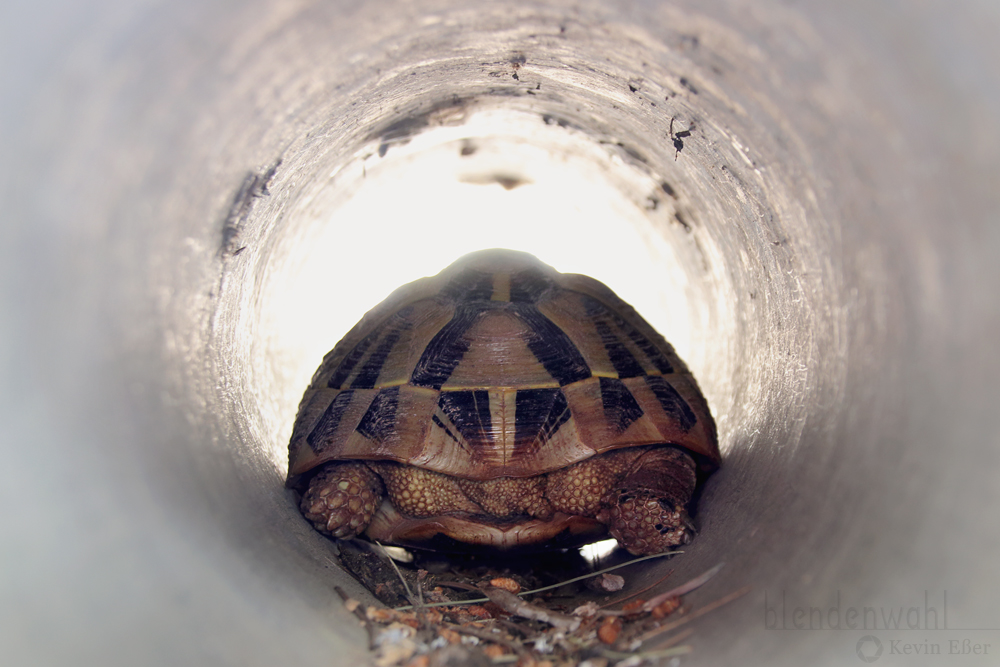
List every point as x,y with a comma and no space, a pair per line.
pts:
342,498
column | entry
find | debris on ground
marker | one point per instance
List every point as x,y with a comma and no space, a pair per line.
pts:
485,614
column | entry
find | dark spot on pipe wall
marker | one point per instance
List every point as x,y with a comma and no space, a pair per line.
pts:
690,86
254,185
681,221
400,131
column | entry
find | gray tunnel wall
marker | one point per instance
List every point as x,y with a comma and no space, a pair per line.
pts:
828,236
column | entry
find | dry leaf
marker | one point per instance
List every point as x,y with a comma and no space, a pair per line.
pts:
507,584
609,629
665,608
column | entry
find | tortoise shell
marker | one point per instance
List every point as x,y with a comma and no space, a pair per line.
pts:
499,366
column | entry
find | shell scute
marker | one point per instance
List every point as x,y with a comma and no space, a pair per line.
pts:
389,354
468,285
608,416
497,354
612,346
530,286
671,403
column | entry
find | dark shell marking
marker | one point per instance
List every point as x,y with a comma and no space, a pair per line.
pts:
504,370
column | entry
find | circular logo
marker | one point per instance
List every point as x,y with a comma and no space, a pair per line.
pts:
869,653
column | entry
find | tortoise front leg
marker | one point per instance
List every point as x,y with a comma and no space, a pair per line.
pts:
342,498
646,511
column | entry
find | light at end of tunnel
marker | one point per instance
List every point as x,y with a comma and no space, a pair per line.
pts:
501,180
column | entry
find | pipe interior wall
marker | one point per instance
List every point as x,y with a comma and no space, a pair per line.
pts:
803,198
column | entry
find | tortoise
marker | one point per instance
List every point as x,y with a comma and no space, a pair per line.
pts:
503,405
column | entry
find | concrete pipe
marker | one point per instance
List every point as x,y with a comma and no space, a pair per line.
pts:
199,199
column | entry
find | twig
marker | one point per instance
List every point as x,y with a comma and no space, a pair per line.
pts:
648,655
676,639
414,603
490,637
600,572
711,606
519,627
451,603
683,589
461,585
544,588
640,592
356,610
515,605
